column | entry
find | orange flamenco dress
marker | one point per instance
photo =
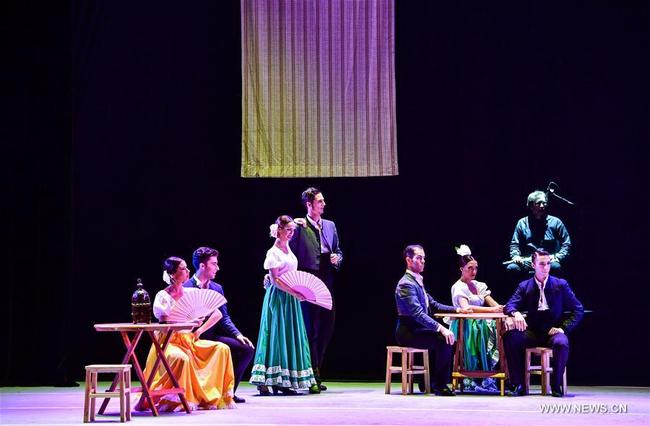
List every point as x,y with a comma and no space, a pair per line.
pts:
203,368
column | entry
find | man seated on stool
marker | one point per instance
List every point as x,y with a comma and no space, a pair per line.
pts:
206,263
545,297
416,328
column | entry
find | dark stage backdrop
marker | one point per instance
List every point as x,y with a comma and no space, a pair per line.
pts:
131,153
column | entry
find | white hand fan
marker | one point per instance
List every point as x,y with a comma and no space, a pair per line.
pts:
308,286
195,304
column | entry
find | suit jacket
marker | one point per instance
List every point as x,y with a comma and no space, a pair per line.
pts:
305,244
560,298
225,326
411,301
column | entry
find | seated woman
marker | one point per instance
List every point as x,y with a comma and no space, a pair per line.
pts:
202,367
282,358
480,335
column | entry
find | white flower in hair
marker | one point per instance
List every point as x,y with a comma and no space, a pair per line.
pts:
273,230
463,250
166,278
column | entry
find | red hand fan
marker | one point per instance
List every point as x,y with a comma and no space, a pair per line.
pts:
308,286
194,304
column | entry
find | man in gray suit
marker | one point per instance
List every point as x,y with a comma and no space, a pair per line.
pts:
316,245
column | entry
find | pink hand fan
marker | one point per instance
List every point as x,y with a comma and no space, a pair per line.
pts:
308,286
195,304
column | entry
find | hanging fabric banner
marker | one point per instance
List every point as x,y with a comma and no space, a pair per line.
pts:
318,88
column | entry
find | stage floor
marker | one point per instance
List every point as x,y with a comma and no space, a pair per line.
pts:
348,403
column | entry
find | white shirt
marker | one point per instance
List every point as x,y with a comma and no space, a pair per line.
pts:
198,281
461,290
275,258
542,305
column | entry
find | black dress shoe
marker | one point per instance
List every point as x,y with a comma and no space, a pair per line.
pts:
322,387
421,387
557,392
238,400
283,391
516,390
444,392
263,390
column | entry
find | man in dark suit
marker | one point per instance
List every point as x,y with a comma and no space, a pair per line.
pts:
545,298
416,328
316,245
206,263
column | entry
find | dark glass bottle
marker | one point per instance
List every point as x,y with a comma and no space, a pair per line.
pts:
141,305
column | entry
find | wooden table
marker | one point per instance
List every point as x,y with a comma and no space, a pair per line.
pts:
459,357
160,343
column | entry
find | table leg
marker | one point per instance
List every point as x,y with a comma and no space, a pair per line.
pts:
146,382
503,365
130,348
459,358
160,350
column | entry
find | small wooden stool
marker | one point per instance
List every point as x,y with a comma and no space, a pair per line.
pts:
407,368
544,369
123,372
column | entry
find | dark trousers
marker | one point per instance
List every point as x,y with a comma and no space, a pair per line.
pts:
515,343
319,322
440,353
241,354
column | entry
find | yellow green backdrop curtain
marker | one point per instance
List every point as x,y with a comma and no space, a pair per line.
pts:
318,88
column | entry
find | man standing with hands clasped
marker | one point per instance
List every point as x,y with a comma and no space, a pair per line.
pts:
316,245
416,328
545,298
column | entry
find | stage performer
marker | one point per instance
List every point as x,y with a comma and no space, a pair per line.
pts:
202,367
545,298
206,264
538,230
415,326
316,245
480,336
282,358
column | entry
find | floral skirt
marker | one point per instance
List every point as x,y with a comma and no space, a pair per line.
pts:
282,356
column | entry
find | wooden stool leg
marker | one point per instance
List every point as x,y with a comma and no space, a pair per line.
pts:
122,402
93,389
545,361
564,385
87,398
410,362
404,369
128,394
427,375
527,374
389,364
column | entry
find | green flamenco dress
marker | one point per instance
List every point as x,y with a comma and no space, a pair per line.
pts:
282,356
480,336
